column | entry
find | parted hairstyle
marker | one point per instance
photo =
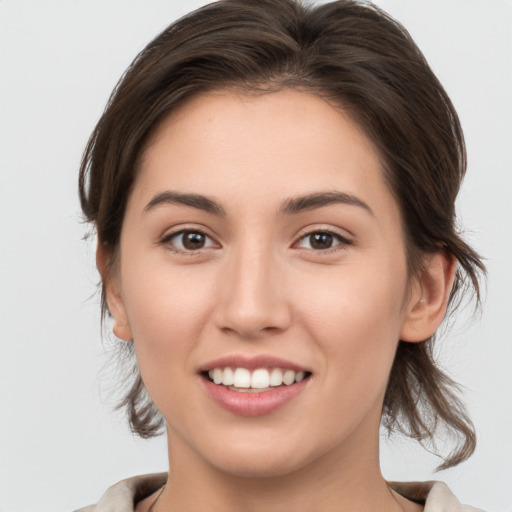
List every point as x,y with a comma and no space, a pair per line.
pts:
355,56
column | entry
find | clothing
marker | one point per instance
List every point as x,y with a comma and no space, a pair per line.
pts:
121,497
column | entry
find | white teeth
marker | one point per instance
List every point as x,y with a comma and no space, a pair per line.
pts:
288,377
228,377
217,376
276,377
242,378
261,378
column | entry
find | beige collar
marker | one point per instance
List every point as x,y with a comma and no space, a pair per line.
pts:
121,497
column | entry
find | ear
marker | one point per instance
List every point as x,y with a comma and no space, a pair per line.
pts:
427,305
109,272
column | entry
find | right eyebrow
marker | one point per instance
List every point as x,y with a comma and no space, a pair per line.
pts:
187,199
316,200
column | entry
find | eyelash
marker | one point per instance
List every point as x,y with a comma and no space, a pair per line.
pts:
166,240
342,244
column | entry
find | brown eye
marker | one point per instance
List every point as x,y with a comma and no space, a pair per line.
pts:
193,240
322,241
188,240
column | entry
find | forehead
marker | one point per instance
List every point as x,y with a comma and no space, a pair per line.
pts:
262,147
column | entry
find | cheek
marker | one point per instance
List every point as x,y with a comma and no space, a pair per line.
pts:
355,317
167,309
356,328
353,302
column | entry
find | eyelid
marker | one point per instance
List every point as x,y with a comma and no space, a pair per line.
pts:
173,232
343,240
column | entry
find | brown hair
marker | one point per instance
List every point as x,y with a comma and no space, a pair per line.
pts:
355,56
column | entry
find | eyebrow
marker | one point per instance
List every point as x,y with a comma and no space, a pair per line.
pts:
291,206
194,200
318,199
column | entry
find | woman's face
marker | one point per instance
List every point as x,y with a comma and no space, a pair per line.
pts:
261,240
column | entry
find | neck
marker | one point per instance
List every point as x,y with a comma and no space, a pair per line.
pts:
335,482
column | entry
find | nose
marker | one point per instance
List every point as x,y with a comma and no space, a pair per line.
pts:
252,301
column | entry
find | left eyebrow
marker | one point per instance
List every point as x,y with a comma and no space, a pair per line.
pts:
307,202
193,200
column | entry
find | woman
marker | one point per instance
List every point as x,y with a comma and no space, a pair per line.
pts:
273,190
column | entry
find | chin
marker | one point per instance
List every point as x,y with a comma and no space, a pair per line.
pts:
258,468
269,459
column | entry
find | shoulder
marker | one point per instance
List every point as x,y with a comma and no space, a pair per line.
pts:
436,496
123,496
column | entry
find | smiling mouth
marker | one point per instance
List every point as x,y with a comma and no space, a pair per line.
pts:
254,381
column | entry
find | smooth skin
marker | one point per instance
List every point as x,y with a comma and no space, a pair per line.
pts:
325,287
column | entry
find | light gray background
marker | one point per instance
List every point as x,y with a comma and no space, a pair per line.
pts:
60,444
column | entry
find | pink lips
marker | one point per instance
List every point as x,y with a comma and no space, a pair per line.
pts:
252,403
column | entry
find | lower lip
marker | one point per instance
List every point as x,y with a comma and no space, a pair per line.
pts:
253,404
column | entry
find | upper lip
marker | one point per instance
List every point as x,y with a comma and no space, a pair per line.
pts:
252,363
